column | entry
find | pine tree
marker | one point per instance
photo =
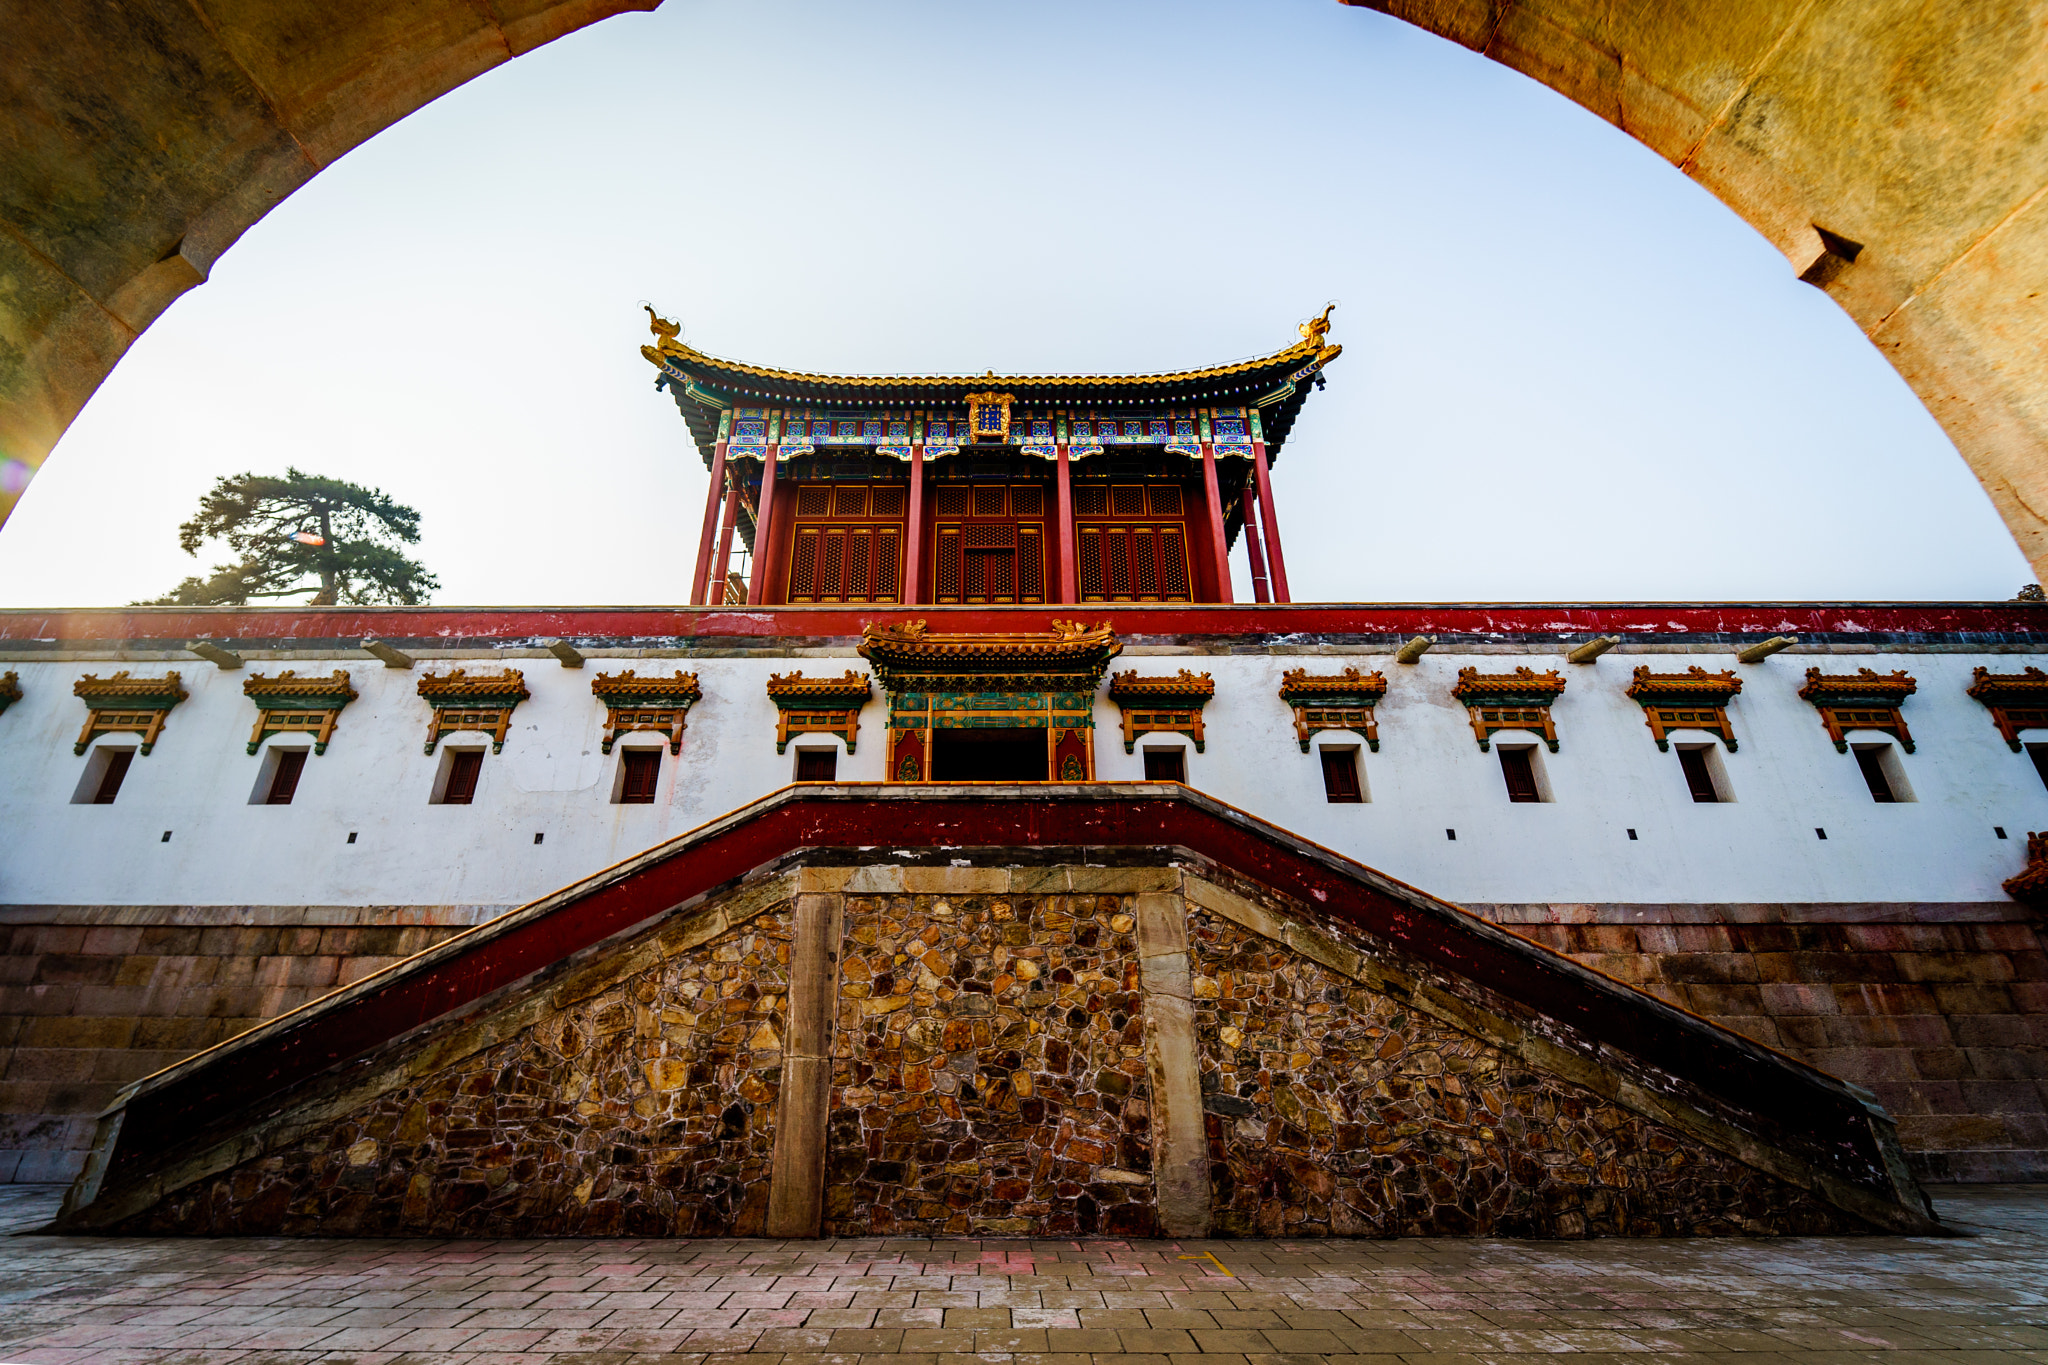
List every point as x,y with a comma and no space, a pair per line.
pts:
358,560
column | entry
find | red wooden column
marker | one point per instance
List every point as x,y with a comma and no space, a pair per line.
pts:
913,530
1251,545
764,527
712,497
1212,497
1276,564
723,567
1069,550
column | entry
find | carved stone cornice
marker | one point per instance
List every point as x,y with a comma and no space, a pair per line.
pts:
290,704
1070,658
819,706
1162,705
467,701
1863,700
1509,701
2017,701
1333,701
1692,700
127,705
633,703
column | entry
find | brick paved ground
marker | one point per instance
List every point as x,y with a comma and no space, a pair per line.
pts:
886,1302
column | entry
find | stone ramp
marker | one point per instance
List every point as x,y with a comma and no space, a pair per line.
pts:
1125,1009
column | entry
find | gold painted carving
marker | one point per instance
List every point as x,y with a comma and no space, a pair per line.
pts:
1161,705
1070,658
1316,331
988,414
2017,701
1333,701
466,701
290,704
633,703
1509,701
1863,700
126,705
1692,700
825,706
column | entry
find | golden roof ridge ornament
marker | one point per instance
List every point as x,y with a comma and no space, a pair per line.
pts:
1316,330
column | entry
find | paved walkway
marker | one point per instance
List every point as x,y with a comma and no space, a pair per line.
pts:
883,1302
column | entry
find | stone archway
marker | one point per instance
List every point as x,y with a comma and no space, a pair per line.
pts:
1895,151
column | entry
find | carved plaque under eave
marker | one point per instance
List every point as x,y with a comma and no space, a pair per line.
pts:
2017,701
290,704
126,705
1162,705
819,706
472,701
1863,700
1692,700
633,703
1509,701
1334,701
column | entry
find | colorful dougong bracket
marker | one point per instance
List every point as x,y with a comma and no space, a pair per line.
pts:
1152,705
825,706
1333,701
1509,701
464,701
290,704
1863,700
632,703
1692,700
125,705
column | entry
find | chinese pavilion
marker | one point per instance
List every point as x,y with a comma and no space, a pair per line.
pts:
1002,489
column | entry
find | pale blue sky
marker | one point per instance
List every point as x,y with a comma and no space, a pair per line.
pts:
1569,373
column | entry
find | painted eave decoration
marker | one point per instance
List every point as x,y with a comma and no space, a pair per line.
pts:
1072,657
706,386
466,701
123,704
1509,701
10,690
1185,689
2017,701
795,690
1300,687
629,689
290,704
1692,700
1863,700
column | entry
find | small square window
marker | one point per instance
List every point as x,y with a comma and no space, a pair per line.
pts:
1340,777
2039,753
640,771
1166,765
817,765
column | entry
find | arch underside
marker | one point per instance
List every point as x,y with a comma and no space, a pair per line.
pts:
1895,151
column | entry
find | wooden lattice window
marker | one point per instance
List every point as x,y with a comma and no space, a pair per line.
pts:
998,559
950,501
989,501
1091,500
890,501
838,553
1133,563
814,500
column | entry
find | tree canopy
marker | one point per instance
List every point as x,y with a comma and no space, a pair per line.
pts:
357,560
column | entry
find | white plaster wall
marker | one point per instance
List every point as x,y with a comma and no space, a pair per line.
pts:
1429,775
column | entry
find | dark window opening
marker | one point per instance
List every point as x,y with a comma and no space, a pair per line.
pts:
817,765
1698,777
1871,761
1166,765
1340,776
110,780
994,755
285,781
643,770
1519,767
464,765
2039,753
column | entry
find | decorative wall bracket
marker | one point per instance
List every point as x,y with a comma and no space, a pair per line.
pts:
2017,701
1863,700
125,705
10,690
825,706
1334,701
290,704
1509,701
633,703
482,701
2030,885
1692,700
1153,705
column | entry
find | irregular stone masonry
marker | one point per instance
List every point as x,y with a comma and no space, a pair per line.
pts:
1334,1110
647,1109
990,1073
